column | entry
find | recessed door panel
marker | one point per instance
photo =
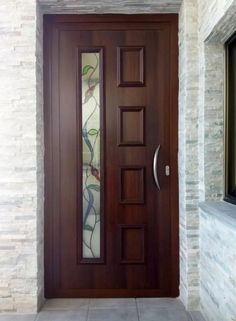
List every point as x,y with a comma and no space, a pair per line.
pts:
135,134
130,62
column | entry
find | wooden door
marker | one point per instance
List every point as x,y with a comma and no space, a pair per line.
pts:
111,195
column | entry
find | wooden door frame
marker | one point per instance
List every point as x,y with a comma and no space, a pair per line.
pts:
172,20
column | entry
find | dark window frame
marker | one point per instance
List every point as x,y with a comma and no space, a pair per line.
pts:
230,120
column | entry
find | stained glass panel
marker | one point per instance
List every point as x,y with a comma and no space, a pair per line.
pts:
90,65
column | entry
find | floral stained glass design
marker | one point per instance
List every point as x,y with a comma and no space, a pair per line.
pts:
91,154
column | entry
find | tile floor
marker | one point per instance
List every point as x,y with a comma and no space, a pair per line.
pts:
152,309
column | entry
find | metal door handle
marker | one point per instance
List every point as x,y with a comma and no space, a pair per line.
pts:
155,175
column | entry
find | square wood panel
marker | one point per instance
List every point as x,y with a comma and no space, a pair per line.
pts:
130,65
131,126
132,244
132,185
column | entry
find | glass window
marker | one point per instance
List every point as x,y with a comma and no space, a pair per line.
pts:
91,159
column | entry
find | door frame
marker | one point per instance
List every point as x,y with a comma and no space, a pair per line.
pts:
172,20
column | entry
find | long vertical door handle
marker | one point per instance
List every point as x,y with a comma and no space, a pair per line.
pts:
155,159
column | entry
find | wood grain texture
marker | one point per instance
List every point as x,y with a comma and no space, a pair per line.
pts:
131,135
65,275
132,185
132,244
130,66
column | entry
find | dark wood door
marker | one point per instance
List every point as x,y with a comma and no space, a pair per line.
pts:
111,207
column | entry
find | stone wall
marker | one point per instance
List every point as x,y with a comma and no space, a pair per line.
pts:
217,238
110,6
19,202
214,19
218,261
40,155
188,154
204,27
211,95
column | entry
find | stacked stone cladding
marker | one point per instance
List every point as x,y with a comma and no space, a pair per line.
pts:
188,154
110,6
218,273
18,161
217,239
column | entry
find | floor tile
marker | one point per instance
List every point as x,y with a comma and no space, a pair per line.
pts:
111,303
17,317
66,304
124,314
147,303
163,314
63,315
196,316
